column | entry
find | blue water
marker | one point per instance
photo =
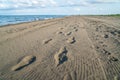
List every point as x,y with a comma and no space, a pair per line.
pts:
13,19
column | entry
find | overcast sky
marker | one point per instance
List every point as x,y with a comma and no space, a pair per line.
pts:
58,7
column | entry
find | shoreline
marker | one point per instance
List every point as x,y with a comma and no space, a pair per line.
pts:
39,19
19,23
22,23
95,16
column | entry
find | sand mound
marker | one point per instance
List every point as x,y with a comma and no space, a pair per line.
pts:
24,62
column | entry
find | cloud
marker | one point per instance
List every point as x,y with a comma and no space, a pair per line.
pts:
103,1
3,6
74,3
71,2
33,4
77,9
108,1
78,3
19,4
53,2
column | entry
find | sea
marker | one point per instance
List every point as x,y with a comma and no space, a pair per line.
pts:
14,19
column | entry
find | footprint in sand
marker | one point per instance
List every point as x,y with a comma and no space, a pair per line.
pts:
112,58
71,40
106,36
61,56
24,62
106,52
59,32
47,41
61,28
74,27
76,30
69,33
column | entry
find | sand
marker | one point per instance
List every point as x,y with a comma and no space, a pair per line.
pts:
69,48
24,62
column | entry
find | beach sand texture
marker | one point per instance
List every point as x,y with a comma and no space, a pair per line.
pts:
69,48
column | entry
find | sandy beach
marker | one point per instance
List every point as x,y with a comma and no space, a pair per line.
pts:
69,48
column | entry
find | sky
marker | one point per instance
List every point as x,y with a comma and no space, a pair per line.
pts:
59,7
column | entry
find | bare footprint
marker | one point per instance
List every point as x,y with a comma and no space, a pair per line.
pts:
112,58
47,41
106,36
59,32
76,30
71,40
24,62
61,28
74,27
69,33
106,52
61,56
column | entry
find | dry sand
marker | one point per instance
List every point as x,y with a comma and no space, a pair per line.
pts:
70,48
